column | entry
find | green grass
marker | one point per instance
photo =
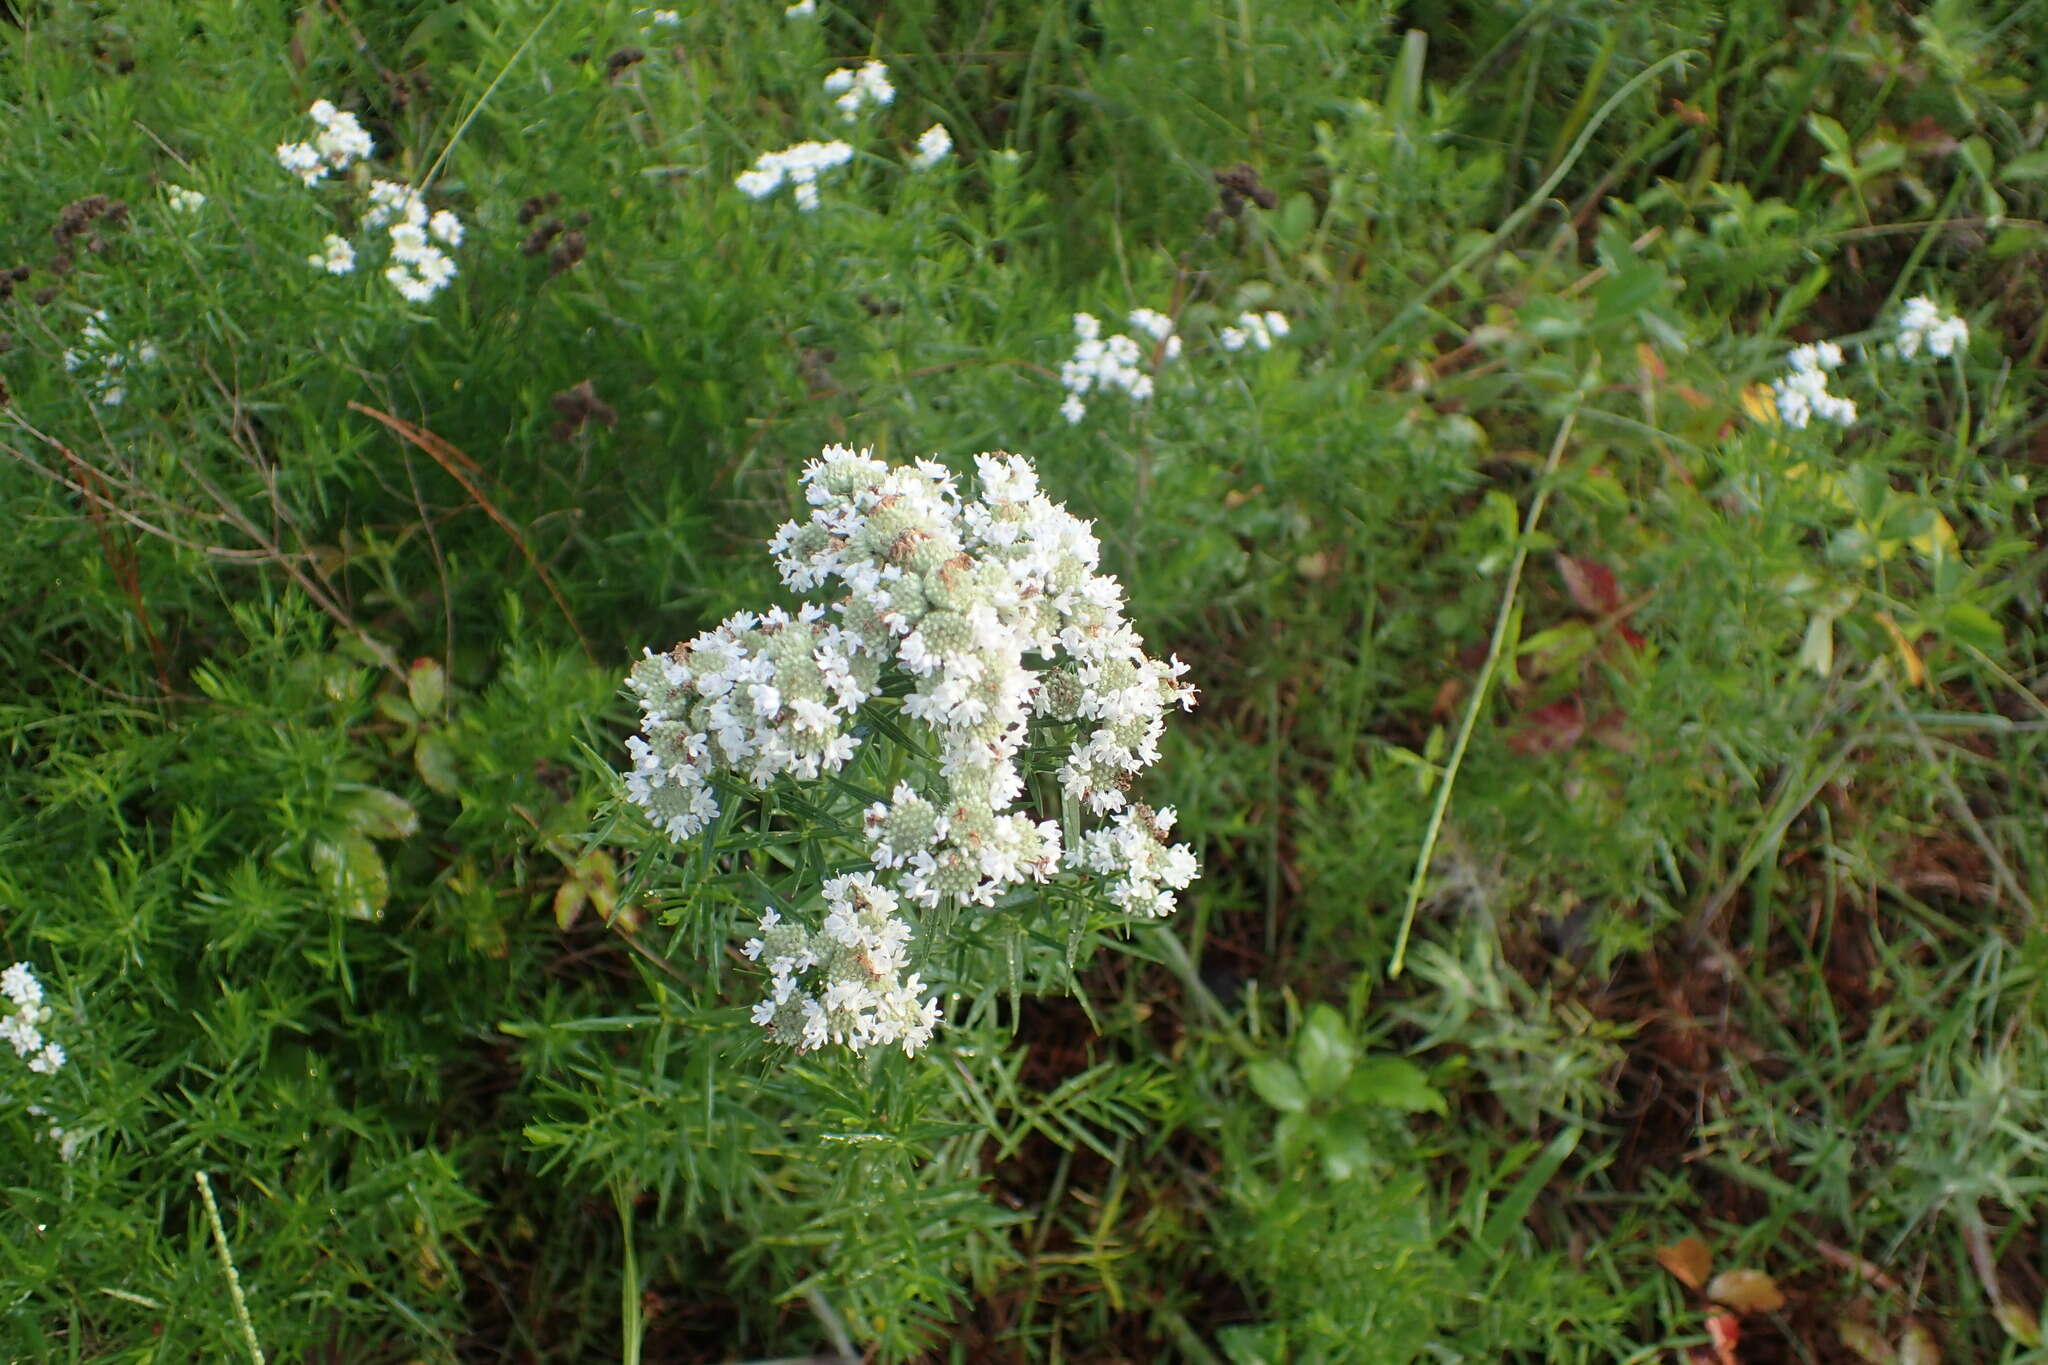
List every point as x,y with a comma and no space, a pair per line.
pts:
1731,927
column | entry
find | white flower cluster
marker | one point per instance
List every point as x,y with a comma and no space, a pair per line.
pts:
1116,362
992,612
1145,870
761,696
183,200
340,143
1922,325
845,983
799,164
1260,329
105,364
336,256
23,1029
1802,391
858,87
68,1140
418,267
933,146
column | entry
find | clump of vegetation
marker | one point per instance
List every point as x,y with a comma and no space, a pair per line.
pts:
1585,452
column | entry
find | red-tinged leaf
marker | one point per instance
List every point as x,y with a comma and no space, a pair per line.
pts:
1726,1333
1631,634
1591,585
1550,729
1747,1291
1649,362
1611,731
1689,1260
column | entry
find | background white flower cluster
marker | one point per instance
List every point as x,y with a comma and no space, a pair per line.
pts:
22,1028
1923,326
418,266
990,611
1802,393
105,363
854,89
1115,363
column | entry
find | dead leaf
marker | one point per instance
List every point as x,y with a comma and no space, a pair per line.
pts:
1916,1346
1550,729
1746,1291
1726,1333
1447,698
1689,1260
1865,1342
1591,585
1916,672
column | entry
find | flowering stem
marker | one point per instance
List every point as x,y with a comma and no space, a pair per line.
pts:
1472,708
220,1242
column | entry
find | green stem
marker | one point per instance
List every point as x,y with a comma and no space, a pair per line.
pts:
632,1322
1472,708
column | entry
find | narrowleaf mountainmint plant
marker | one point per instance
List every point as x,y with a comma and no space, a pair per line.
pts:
984,620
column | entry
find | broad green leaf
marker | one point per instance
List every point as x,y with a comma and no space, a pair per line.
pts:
2032,166
382,814
1278,1085
426,683
1345,1149
434,756
354,874
1394,1083
1324,1052
1969,624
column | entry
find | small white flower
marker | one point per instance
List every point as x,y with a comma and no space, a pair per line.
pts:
335,256
1923,325
1231,339
447,228
800,164
665,18
408,243
859,87
391,199
1072,408
802,9
1156,325
322,112
183,200
18,983
933,145
303,160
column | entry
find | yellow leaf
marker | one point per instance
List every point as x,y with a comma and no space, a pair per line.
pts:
1747,1291
1916,672
1689,1260
1937,541
1761,404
